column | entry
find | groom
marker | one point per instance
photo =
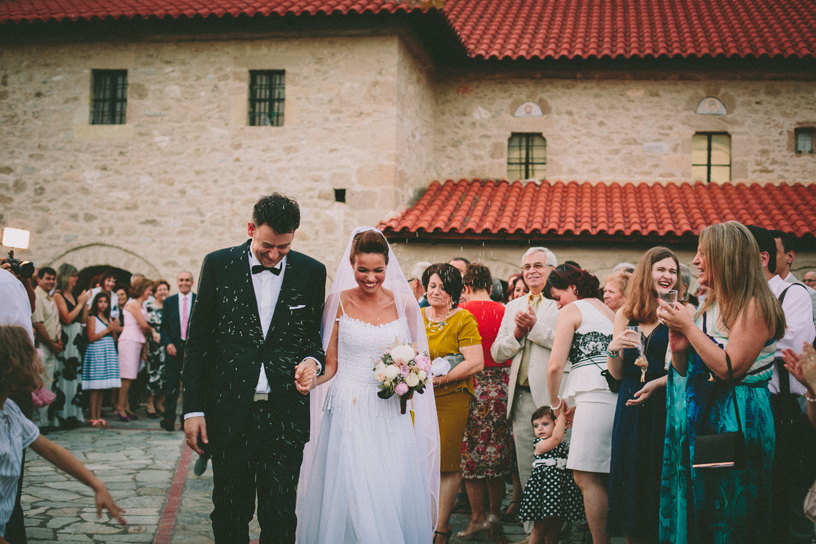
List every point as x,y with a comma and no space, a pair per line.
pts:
254,333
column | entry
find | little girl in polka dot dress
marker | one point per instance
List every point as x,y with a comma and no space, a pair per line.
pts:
551,495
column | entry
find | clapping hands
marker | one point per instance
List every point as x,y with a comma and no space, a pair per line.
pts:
803,367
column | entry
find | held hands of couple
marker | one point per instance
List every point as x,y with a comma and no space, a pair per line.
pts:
306,376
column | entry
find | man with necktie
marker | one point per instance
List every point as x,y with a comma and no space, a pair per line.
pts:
526,336
175,320
252,352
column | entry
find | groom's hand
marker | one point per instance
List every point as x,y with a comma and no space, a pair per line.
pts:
305,375
192,427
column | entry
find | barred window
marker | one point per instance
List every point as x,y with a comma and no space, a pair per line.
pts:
266,98
526,156
108,97
711,157
805,137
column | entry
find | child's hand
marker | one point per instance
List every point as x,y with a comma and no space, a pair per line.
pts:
104,500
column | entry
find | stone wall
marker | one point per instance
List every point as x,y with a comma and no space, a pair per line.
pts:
622,129
179,179
366,111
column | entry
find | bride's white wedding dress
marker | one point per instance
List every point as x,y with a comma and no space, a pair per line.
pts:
366,484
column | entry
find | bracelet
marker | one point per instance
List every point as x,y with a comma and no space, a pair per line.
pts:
560,402
612,354
808,398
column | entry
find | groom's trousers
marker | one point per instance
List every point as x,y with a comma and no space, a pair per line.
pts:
262,460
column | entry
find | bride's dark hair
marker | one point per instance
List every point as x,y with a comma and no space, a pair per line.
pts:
369,241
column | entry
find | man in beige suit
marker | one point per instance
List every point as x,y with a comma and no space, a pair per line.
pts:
526,335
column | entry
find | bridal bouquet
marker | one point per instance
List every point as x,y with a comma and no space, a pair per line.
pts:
402,370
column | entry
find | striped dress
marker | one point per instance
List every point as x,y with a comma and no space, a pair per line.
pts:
727,506
100,369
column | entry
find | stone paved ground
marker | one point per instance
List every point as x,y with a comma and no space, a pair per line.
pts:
150,475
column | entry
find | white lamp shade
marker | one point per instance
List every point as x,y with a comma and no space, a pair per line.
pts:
16,238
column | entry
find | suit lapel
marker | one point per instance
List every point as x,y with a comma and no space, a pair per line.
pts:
245,290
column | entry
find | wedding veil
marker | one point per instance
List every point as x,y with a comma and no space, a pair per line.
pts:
426,426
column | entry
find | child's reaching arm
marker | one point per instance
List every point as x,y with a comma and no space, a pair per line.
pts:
63,459
557,437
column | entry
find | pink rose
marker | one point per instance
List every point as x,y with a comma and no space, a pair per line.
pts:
401,389
404,370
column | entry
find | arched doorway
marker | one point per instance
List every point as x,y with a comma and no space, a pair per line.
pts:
93,259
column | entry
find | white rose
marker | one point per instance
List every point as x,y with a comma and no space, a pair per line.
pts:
403,353
411,380
422,375
391,371
380,368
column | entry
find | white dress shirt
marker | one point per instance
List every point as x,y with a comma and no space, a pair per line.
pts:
267,290
16,307
799,317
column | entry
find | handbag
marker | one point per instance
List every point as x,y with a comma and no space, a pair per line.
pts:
722,450
611,382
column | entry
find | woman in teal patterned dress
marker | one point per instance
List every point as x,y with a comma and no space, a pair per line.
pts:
724,505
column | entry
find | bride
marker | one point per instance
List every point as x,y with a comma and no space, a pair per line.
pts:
370,474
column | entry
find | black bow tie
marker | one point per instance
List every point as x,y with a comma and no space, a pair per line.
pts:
258,268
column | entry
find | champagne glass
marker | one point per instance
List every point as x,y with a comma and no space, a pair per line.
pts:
636,328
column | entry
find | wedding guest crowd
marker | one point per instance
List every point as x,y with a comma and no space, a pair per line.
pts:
606,381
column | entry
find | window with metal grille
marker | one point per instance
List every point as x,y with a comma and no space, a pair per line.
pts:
526,156
711,157
109,97
266,98
805,137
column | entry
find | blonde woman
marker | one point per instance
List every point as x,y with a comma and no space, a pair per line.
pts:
740,321
615,289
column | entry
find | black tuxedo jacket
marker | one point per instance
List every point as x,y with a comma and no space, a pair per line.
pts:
171,321
225,344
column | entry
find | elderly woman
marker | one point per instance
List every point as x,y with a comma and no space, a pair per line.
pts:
451,331
488,435
66,410
737,326
615,289
582,335
156,351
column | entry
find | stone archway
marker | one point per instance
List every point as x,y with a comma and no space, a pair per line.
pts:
107,254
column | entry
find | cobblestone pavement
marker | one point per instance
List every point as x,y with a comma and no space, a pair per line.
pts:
149,472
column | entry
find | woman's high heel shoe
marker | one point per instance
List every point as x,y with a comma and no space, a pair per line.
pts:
497,527
479,533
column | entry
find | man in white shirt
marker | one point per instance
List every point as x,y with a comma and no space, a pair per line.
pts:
794,465
785,255
254,339
47,332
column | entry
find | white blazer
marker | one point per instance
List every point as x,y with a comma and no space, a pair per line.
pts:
542,336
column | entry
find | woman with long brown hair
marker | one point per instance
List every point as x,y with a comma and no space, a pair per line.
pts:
640,417
737,326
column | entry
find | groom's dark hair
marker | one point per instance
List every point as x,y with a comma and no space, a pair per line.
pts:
280,212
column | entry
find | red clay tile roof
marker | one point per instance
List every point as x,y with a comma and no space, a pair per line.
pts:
44,10
634,28
527,29
499,210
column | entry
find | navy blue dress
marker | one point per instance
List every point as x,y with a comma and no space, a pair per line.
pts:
637,445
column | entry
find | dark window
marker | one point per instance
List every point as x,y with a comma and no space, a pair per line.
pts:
804,139
109,97
266,98
711,157
526,156
339,195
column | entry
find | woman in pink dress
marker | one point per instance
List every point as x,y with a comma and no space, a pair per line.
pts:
131,343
